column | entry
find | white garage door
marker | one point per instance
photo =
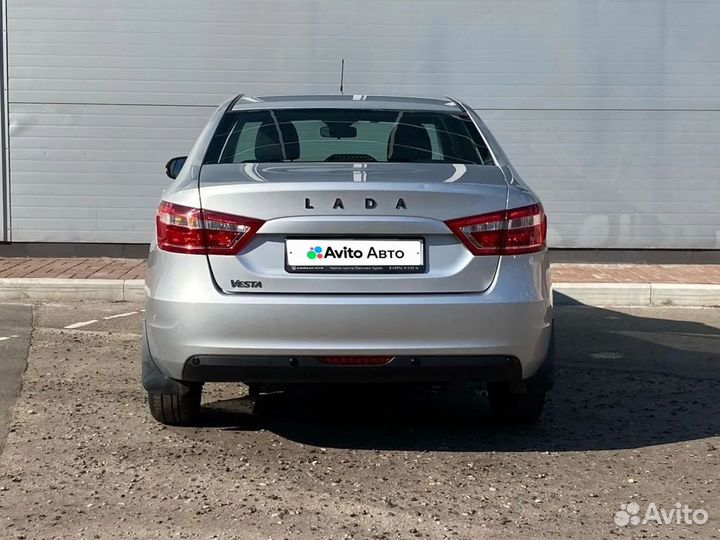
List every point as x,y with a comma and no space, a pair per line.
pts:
610,109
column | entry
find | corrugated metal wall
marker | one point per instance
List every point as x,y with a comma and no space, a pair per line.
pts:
609,108
4,180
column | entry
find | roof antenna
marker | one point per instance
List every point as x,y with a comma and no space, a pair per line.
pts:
342,74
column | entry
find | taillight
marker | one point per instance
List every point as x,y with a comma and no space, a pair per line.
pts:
182,229
510,232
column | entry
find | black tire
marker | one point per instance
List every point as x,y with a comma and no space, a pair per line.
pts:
180,409
508,407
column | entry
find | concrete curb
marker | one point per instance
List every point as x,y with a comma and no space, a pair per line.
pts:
603,294
637,294
134,290
593,294
114,290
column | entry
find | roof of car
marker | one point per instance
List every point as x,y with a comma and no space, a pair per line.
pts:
360,101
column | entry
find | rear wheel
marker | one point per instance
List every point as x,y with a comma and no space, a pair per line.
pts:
179,409
509,407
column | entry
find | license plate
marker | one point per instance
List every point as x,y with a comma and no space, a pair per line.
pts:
338,255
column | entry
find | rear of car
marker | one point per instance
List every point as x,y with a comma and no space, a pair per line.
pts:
347,239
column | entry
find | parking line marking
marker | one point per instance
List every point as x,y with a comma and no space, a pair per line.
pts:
119,315
7,337
79,324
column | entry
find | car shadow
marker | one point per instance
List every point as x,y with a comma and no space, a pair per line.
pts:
623,381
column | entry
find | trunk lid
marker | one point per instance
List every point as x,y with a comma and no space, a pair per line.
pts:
350,203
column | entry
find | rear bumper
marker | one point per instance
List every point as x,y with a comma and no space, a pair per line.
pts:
251,337
271,369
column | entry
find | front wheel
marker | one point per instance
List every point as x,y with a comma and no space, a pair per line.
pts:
179,409
515,408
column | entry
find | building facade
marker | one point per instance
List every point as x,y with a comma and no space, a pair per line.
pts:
610,109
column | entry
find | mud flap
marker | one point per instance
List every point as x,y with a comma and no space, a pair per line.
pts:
544,378
153,379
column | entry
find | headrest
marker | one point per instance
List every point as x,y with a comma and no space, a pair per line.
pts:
409,142
269,142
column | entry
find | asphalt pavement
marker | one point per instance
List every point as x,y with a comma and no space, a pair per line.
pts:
15,328
634,419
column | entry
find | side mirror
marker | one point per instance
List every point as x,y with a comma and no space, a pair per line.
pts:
174,166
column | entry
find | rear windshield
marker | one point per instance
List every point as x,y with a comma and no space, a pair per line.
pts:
346,135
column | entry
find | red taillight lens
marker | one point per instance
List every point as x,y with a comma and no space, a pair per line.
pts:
526,230
511,232
227,234
181,229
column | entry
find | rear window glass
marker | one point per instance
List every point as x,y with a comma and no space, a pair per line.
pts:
346,135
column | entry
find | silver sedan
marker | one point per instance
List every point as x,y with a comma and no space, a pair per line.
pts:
347,239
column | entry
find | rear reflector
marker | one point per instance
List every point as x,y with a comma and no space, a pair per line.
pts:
182,229
356,360
510,232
